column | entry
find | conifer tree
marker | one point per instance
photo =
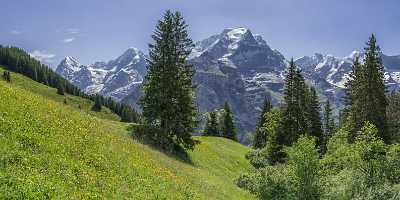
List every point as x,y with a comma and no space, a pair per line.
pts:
260,136
211,125
294,121
228,129
393,115
168,100
97,104
60,89
329,123
313,117
366,92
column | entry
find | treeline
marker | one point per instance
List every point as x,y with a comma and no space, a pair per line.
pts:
17,60
299,155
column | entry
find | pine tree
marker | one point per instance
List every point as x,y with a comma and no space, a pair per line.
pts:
366,92
60,89
211,125
314,117
294,122
260,136
97,104
228,129
168,100
329,123
393,115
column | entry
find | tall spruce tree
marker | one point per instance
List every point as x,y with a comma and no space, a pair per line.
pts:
260,135
314,117
211,125
293,122
328,125
168,100
329,122
393,115
228,129
97,104
60,88
366,92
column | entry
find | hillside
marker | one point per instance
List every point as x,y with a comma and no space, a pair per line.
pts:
52,150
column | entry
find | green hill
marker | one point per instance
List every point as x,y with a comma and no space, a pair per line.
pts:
53,150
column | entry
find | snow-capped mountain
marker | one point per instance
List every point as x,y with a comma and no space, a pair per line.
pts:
238,67
335,70
116,78
234,66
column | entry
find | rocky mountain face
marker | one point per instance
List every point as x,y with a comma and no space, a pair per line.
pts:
234,66
116,78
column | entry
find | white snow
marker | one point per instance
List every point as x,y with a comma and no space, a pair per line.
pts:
236,34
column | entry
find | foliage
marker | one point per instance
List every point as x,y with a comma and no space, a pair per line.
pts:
366,92
297,179
393,162
360,161
168,100
313,112
228,129
97,104
293,121
211,125
7,76
362,170
393,117
328,125
60,89
260,137
303,159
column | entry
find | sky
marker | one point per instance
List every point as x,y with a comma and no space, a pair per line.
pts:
100,30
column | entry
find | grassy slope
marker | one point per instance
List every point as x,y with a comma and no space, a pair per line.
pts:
51,149
51,93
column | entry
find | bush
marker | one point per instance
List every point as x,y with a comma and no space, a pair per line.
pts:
277,183
304,161
7,76
250,181
258,158
393,162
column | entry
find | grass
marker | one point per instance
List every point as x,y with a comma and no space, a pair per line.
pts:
51,94
49,150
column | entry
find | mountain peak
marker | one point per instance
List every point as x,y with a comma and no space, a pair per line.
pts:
71,60
131,52
68,66
235,33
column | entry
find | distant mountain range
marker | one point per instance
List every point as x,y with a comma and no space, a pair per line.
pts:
235,66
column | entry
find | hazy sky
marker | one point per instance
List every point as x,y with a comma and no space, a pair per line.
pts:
93,30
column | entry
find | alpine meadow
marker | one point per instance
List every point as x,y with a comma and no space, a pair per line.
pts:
204,111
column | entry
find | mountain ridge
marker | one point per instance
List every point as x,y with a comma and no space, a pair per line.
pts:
240,67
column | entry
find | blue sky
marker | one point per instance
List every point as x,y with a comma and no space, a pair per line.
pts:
93,30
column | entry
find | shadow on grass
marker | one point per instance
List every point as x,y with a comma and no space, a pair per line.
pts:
138,133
